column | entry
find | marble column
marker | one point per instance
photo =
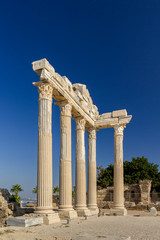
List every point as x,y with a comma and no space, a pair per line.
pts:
92,178
118,208
65,168
44,174
80,205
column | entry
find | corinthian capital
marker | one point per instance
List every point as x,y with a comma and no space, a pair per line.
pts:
45,90
91,133
118,130
80,123
65,109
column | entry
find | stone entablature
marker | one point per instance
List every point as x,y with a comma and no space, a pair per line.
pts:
110,119
78,96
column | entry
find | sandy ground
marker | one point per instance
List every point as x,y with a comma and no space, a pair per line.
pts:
130,227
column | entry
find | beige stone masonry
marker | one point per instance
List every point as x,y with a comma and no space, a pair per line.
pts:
80,205
118,208
44,175
104,121
92,178
105,115
73,99
119,113
65,175
63,90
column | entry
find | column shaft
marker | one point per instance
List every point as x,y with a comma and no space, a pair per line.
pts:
92,179
118,168
65,175
44,174
80,165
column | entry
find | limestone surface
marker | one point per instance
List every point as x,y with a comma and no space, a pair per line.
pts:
73,99
24,221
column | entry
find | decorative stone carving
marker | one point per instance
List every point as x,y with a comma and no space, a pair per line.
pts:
91,133
118,130
65,109
80,123
45,90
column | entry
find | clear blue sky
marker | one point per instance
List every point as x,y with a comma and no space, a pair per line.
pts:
111,46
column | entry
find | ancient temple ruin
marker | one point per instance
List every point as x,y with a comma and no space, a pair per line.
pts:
73,100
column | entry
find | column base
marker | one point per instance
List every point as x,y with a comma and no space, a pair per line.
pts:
43,210
94,211
83,212
71,214
118,211
49,216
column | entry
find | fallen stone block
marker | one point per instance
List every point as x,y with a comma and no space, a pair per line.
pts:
24,221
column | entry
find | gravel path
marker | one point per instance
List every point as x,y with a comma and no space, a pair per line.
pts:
129,227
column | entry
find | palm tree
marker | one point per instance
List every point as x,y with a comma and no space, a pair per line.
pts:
16,189
56,190
34,190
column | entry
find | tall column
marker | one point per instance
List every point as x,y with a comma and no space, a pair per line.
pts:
44,174
65,170
118,208
80,168
92,178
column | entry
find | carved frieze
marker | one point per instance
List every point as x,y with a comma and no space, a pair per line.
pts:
45,90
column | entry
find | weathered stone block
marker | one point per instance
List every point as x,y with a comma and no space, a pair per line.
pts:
24,221
153,211
51,218
68,214
118,212
119,113
125,120
83,212
105,115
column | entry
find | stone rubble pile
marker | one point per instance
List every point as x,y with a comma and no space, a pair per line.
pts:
4,210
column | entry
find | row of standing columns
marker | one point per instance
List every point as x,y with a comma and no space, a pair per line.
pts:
45,185
45,188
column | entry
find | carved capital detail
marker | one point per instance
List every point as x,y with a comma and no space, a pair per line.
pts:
91,133
65,109
80,123
45,91
118,130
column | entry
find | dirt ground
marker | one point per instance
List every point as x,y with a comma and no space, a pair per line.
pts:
134,226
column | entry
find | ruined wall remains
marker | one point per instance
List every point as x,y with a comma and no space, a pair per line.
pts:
4,210
5,193
135,193
145,187
155,197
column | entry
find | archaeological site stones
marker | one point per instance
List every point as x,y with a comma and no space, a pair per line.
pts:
73,100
